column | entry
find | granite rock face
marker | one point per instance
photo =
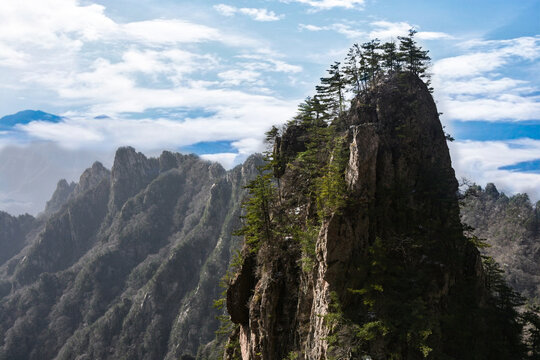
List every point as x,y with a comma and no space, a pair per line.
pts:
125,264
401,190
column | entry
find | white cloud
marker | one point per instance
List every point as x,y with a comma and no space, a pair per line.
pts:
237,77
342,29
486,56
228,160
11,57
225,10
266,63
330,4
484,85
255,14
248,145
382,30
261,14
473,86
312,27
500,107
162,31
480,161
45,23
432,35
386,30
468,65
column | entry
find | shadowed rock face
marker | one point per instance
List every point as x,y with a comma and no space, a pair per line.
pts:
402,190
128,265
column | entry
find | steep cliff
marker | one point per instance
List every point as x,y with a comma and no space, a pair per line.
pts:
128,265
364,255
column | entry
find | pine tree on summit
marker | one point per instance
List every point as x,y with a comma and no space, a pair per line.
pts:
413,57
391,61
371,59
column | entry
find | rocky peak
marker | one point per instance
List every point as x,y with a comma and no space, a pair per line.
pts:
167,161
91,177
391,260
59,197
131,171
492,191
398,139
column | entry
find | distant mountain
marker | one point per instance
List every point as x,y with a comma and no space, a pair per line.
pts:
125,264
27,116
511,226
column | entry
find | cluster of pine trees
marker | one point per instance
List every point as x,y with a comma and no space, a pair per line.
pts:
364,66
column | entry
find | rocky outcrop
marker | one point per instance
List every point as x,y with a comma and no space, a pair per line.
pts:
393,254
91,178
59,197
129,265
131,172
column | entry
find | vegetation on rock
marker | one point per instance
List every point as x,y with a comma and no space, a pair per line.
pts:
356,245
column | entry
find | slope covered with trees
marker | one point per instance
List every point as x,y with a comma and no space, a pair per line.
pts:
125,264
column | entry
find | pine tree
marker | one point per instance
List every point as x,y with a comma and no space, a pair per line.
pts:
414,58
371,57
331,90
259,226
312,112
390,57
353,77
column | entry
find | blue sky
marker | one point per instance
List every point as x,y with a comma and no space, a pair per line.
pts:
212,76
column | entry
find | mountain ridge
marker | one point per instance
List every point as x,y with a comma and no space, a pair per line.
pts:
100,262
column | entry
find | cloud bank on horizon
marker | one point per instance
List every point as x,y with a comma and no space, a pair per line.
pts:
177,74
